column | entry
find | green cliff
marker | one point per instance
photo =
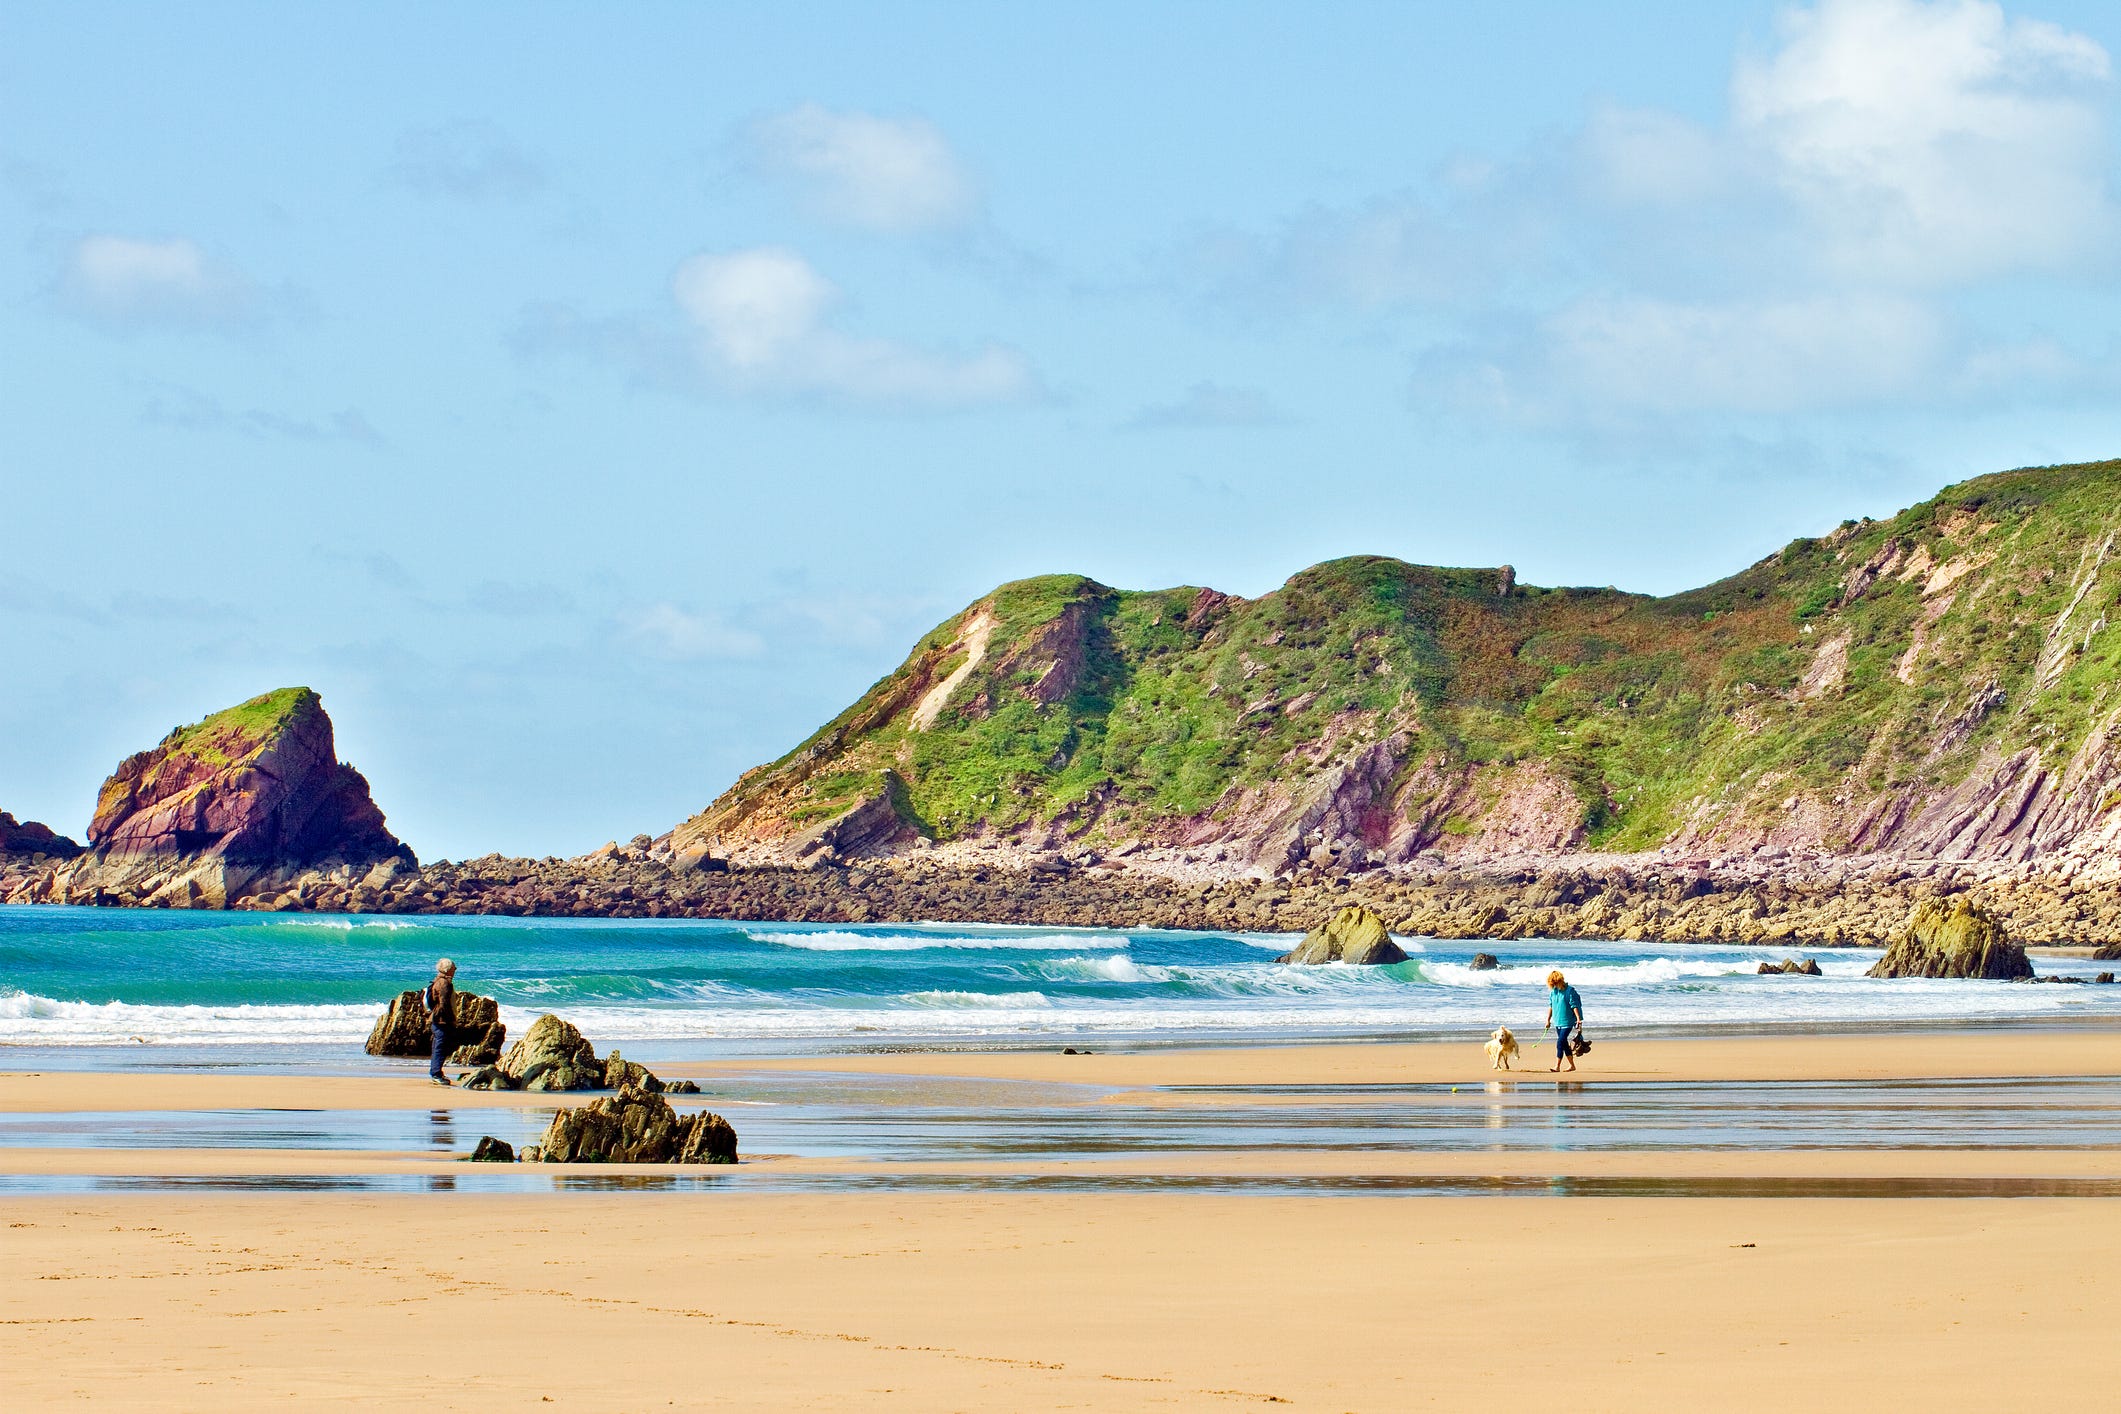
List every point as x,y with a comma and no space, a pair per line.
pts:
1940,684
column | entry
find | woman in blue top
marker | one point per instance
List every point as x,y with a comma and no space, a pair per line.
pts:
1564,1015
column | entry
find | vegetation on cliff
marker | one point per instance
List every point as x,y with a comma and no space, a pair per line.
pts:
1833,695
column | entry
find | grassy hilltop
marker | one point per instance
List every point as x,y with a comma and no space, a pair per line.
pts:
1834,695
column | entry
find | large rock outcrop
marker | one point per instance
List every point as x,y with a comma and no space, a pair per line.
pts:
260,784
244,803
1353,935
1953,938
474,1024
634,1126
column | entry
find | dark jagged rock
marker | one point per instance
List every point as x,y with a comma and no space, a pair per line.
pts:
1484,962
1954,939
493,1151
634,1127
32,840
1354,935
681,1087
474,1024
1791,966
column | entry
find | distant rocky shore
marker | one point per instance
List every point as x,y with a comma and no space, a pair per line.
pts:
1815,902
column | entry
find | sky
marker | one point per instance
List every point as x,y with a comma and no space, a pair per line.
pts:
589,401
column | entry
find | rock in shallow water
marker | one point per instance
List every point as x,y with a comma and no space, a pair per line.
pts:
634,1126
493,1151
1953,938
1353,935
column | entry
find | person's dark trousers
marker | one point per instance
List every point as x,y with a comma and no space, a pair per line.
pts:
441,1048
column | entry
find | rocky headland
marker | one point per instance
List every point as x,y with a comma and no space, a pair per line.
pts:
26,848
1900,711
227,809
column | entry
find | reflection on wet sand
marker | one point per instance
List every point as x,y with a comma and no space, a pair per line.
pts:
988,1127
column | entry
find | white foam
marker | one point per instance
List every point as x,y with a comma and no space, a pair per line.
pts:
834,941
26,1018
1644,972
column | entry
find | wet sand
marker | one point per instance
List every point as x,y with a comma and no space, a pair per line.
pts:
761,1288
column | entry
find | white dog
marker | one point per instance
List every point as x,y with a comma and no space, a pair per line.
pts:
1501,1048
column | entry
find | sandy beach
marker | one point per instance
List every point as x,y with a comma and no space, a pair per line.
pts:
132,1286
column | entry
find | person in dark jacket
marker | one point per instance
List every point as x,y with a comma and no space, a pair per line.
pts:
441,1011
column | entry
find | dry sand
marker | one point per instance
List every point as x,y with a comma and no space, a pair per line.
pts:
1017,1301
1020,1302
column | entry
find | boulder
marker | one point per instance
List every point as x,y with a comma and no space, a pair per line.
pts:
687,1087
1791,965
1484,962
475,1030
620,1073
1353,935
1953,938
634,1126
493,1151
552,1055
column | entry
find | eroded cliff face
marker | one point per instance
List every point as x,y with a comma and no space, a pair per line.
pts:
1941,686
249,794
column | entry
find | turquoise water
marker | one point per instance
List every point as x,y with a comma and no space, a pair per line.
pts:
83,977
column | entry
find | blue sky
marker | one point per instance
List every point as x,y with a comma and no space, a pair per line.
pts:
589,401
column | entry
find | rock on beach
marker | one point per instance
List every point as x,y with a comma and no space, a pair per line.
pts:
634,1126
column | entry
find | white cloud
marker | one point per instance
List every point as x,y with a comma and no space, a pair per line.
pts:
124,280
858,169
760,315
1933,141
1748,356
666,631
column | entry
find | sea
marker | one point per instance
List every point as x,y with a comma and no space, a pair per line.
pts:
109,978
